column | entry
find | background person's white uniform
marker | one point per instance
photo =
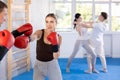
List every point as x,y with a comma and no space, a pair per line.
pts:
96,41
82,36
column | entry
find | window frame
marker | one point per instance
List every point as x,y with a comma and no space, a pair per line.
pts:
93,2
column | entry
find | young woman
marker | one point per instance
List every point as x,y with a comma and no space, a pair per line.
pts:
47,52
82,32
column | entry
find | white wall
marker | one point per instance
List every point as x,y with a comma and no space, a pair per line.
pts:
68,42
111,44
115,45
38,10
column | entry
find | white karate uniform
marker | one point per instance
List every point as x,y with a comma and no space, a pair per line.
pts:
82,36
96,41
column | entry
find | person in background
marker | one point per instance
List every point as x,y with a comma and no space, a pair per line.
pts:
6,38
95,43
82,36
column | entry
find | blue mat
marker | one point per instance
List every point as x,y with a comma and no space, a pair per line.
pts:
77,70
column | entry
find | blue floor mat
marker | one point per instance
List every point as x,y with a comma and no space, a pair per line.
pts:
77,70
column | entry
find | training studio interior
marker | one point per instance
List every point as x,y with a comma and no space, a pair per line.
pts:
101,46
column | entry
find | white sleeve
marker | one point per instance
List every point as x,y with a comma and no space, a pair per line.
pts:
94,25
106,27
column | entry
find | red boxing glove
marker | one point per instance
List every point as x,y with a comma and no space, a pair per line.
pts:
6,42
52,37
25,29
21,42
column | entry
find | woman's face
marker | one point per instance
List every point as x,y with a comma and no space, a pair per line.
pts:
79,19
3,15
50,23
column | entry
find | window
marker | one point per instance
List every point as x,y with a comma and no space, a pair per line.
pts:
90,9
83,0
101,0
115,16
58,0
61,0
116,0
102,8
86,10
63,12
